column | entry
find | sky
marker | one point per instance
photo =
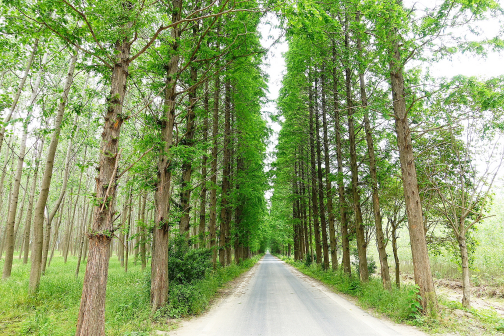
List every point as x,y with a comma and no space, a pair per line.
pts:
460,64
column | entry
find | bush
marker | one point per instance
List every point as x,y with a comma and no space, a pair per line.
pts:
187,265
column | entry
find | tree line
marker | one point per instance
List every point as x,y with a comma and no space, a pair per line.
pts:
126,123
371,142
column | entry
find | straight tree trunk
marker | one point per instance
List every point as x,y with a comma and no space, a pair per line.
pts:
185,194
159,263
380,237
82,239
9,232
128,229
314,203
91,318
224,216
50,217
323,222
359,227
345,243
29,212
307,243
332,231
143,233
213,190
72,219
20,216
38,221
56,233
203,195
420,256
466,280
396,256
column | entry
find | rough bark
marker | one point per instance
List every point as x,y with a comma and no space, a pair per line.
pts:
420,256
91,318
203,195
314,202
185,194
320,185
380,237
225,215
328,187
359,227
213,190
345,244
159,263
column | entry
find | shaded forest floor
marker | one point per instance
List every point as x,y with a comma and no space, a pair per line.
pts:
54,310
399,306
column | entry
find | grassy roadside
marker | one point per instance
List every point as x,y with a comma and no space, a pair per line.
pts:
400,305
54,310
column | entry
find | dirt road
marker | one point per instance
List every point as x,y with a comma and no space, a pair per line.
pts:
276,300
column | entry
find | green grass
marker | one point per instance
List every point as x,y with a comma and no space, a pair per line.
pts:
399,303
54,310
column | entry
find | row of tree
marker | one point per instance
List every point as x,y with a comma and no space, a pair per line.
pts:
369,142
127,123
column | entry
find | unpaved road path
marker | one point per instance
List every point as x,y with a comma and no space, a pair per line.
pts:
274,299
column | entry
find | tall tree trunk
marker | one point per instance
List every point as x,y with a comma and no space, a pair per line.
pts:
185,194
143,233
91,318
314,203
420,256
320,185
224,216
464,258
380,237
345,243
38,221
56,233
203,195
396,256
159,263
9,232
213,190
82,239
50,217
72,219
332,231
20,216
359,227
307,237
29,212
9,156
128,229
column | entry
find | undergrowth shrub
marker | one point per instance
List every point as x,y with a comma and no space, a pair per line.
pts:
187,265
192,298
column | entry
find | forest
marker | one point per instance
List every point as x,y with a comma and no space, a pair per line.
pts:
140,170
